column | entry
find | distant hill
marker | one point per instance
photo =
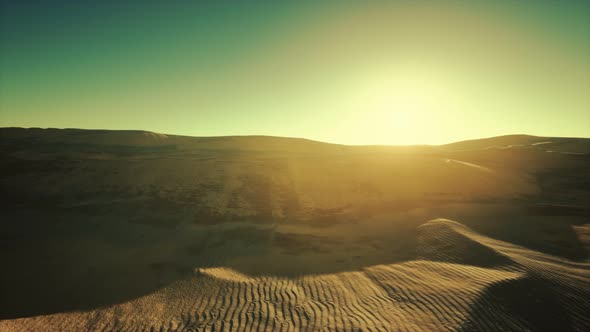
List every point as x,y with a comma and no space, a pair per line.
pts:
147,138
554,144
260,142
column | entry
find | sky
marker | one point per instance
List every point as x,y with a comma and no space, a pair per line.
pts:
350,72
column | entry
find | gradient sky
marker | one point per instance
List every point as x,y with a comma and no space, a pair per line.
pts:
353,72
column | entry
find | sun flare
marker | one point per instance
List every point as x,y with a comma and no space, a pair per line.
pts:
403,108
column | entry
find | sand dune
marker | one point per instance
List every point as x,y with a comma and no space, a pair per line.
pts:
439,292
137,231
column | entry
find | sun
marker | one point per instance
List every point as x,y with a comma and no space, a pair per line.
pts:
403,107
408,104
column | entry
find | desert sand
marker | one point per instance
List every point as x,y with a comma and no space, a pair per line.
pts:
139,231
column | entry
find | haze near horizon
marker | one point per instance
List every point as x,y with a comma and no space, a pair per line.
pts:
352,73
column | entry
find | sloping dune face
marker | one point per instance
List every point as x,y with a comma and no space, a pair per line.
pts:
435,293
138,231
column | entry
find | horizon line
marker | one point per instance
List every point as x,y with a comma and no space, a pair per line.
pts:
288,137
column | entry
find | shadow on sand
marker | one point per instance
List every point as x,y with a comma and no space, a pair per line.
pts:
529,301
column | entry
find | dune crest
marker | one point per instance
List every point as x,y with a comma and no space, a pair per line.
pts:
420,295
